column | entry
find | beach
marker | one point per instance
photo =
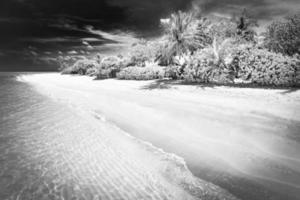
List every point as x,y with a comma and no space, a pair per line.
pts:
234,143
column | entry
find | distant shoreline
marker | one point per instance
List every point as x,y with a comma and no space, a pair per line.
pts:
177,82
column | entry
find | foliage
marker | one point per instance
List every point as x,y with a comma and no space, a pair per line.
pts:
263,67
219,53
110,62
176,70
80,67
207,66
142,73
245,24
221,29
184,32
109,67
239,28
143,51
197,49
91,71
65,62
284,36
139,53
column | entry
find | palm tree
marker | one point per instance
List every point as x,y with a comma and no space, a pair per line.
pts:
184,33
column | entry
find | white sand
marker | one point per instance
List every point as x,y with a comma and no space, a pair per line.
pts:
252,134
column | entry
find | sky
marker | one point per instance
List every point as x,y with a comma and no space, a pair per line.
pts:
34,33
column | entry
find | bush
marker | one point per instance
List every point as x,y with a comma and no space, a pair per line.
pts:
142,52
142,73
110,62
109,67
139,54
80,67
221,29
263,67
211,64
240,28
91,71
202,68
206,73
174,72
284,36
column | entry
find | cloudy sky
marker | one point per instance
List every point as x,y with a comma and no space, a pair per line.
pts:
34,33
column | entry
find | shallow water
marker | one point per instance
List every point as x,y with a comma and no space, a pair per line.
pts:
51,150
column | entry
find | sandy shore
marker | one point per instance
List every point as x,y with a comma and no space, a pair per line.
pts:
244,140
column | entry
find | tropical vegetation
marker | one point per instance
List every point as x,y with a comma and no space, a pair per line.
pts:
284,36
201,49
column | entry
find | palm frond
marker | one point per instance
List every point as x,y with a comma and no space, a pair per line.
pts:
185,33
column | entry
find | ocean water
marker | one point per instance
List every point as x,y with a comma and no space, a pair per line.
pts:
52,151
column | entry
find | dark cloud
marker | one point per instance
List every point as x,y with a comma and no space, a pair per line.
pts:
131,14
146,14
63,26
260,9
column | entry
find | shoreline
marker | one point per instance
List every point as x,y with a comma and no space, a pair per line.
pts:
172,82
156,112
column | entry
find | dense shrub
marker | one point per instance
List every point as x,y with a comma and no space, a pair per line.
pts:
67,61
109,67
139,54
142,73
80,67
110,62
263,67
174,71
91,71
142,52
203,68
211,64
284,36
221,29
